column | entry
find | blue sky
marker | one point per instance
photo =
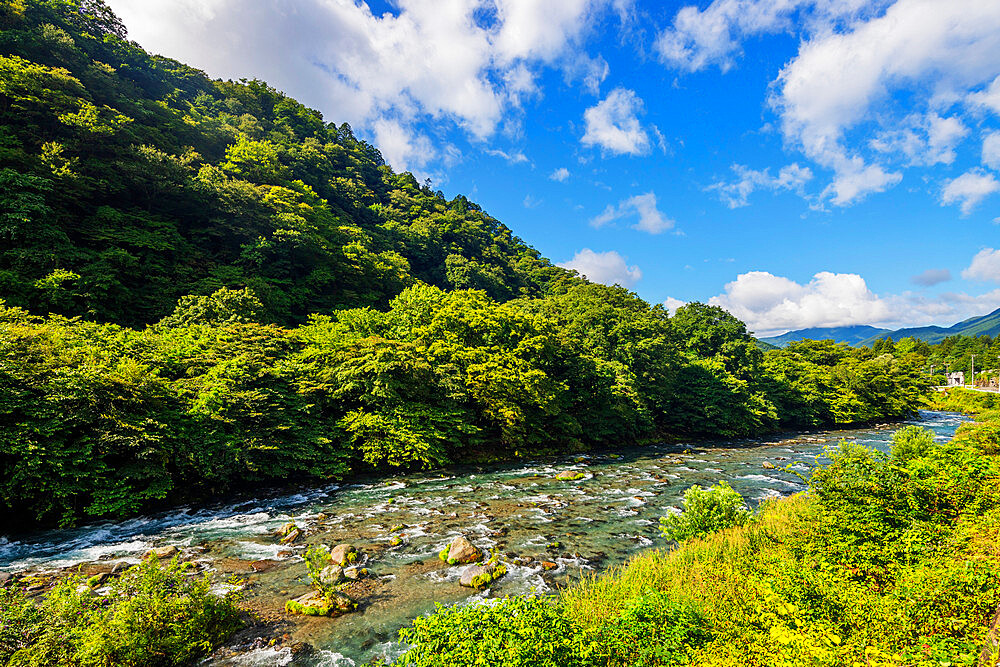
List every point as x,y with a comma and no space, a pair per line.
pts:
798,162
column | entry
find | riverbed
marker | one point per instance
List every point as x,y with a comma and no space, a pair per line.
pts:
549,532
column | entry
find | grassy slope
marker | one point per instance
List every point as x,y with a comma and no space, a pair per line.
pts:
887,561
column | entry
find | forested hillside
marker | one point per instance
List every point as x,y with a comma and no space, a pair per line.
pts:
130,180
209,287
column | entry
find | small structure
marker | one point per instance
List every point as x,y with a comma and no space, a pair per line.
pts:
956,379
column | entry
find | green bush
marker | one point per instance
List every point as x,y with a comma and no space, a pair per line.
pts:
705,511
153,615
650,630
515,632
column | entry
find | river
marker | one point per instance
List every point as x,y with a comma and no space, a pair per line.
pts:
518,509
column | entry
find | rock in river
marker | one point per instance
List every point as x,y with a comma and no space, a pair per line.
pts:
570,475
461,550
318,604
481,576
163,552
344,554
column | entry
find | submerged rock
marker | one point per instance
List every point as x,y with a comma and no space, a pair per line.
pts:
461,550
320,604
767,465
570,475
481,576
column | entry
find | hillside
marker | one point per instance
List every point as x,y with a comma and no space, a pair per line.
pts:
861,335
128,180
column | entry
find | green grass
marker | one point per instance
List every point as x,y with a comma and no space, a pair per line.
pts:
887,561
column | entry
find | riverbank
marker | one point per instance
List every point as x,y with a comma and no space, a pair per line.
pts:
890,560
518,509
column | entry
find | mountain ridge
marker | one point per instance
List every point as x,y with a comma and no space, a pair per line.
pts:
865,335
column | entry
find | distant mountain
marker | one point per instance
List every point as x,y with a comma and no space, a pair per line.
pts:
853,335
985,325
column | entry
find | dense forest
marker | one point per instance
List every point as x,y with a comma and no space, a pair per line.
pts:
207,286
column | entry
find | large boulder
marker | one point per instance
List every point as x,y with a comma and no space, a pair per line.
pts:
344,554
481,576
320,604
461,550
570,475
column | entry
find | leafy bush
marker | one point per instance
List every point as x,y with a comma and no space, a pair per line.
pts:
649,630
705,511
514,632
153,615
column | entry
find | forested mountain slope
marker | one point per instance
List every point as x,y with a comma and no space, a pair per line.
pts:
209,288
129,180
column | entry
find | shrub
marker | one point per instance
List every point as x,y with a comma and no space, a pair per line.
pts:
153,615
515,632
705,511
650,630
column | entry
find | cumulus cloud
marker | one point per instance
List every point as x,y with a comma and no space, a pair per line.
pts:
900,71
608,268
736,193
991,150
560,175
613,124
771,304
464,63
700,38
985,266
925,140
934,51
931,277
672,304
643,208
969,189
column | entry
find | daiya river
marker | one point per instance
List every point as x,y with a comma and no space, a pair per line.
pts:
519,509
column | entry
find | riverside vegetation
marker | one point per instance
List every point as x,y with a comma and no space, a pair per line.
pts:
207,288
888,560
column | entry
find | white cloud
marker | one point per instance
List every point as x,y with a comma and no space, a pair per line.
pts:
608,268
931,277
701,38
672,304
461,62
985,266
649,218
401,146
736,193
969,189
991,150
988,98
771,304
934,52
560,174
516,157
923,139
613,124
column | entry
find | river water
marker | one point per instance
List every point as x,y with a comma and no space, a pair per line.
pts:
519,509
